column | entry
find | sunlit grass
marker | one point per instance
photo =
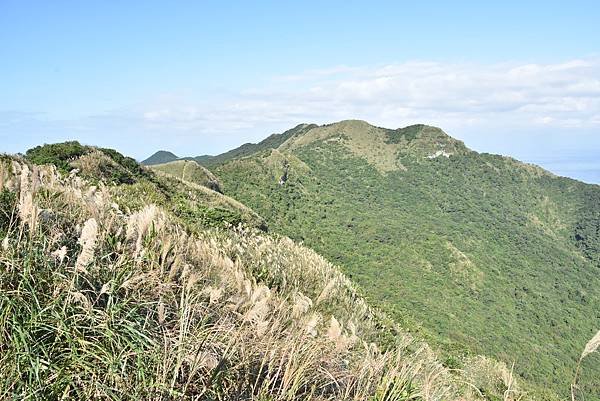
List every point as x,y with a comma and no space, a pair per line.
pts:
96,303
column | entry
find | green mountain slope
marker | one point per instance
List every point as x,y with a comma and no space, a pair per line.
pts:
478,253
271,142
121,290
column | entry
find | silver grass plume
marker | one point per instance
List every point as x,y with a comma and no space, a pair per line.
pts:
335,330
87,240
2,172
60,254
326,292
591,346
302,304
139,223
26,207
310,326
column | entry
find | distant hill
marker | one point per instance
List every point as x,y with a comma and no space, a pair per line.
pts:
162,156
478,253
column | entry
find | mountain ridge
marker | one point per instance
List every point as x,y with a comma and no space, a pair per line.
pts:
495,237
475,254
189,170
272,141
393,136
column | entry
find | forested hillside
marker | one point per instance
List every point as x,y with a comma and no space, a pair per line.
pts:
478,253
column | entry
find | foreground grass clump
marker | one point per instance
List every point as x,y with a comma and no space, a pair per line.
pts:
98,303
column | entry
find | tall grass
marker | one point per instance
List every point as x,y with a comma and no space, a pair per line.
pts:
99,304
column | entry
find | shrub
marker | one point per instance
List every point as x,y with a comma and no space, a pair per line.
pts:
59,154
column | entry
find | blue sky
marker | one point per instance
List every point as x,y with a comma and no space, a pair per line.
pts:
516,78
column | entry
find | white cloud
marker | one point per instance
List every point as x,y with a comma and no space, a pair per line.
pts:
565,94
459,97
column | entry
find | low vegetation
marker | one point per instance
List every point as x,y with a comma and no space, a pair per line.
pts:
105,297
105,164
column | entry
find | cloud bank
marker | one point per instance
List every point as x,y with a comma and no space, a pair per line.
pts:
562,95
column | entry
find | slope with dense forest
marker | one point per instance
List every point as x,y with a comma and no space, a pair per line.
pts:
120,283
478,253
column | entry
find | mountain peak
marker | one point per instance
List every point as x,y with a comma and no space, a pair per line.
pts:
426,140
162,156
350,124
381,147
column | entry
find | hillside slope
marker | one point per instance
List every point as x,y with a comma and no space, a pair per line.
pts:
191,171
476,252
108,291
271,142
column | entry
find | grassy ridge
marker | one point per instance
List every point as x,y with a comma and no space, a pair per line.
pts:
271,142
190,171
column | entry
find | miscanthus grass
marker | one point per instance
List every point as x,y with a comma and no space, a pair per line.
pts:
87,240
591,347
96,303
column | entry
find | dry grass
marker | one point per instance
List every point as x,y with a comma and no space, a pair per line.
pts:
98,304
